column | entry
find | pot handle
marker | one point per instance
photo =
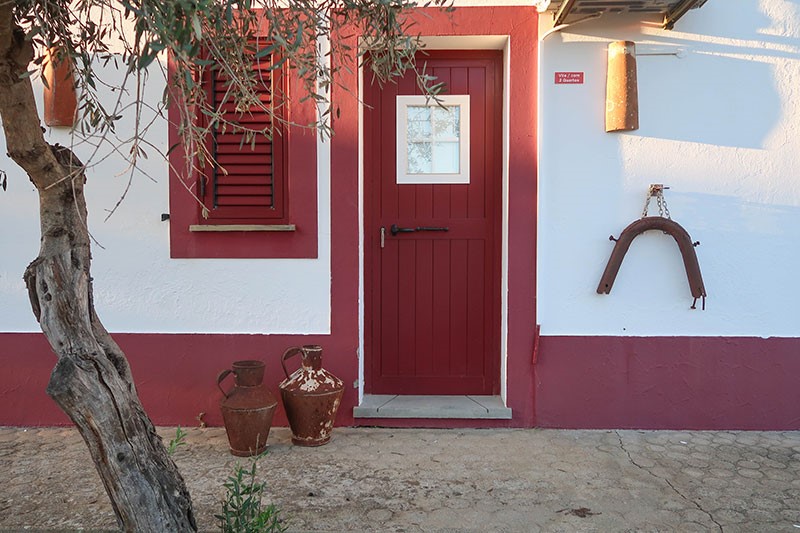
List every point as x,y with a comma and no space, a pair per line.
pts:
291,352
220,378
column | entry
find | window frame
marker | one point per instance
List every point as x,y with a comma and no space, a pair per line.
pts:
295,235
403,103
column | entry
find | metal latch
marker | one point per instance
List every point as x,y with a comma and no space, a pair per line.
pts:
395,229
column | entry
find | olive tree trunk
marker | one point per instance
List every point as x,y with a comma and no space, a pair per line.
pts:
91,381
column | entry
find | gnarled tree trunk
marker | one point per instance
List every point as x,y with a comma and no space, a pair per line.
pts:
91,381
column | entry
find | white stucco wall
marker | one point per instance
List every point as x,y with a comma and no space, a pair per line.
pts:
138,288
719,125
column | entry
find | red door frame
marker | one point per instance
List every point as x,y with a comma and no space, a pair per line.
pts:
519,24
481,348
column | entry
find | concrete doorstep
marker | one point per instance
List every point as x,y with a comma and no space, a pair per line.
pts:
369,479
411,406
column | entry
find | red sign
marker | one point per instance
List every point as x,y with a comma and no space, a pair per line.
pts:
571,78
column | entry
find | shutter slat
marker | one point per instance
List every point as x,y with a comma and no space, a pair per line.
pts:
249,120
256,121
244,158
248,146
259,152
244,174
236,138
262,200
263,69
263,96
244,190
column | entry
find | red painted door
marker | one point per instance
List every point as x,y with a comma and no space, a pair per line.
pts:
433,297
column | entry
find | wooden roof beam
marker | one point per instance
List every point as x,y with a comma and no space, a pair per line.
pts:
678,11
563,12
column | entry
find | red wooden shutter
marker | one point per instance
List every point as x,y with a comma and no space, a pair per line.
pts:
247,183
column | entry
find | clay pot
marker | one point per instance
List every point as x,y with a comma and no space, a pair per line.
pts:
247,408
311,396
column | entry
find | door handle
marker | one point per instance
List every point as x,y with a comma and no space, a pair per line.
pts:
395,229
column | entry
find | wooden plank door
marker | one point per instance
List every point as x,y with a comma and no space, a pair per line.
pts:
433,297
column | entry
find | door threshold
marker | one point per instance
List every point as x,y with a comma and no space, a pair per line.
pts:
412,406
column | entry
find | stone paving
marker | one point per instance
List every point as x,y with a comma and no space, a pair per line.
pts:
408,480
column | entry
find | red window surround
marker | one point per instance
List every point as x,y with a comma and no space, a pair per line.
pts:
286,228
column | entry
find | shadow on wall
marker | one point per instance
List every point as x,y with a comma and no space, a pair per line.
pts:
724,90
709,99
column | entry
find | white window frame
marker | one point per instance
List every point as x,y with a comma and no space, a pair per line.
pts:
406,101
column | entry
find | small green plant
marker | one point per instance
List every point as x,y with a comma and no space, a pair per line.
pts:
243,510
179,440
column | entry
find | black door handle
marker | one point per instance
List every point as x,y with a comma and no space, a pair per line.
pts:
395,229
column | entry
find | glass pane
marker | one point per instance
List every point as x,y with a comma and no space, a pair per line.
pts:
420,158
445,158
419,122
419,112
446,121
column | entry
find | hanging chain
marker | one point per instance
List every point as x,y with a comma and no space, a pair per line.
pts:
657,190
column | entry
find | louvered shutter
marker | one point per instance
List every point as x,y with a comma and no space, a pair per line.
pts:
247,183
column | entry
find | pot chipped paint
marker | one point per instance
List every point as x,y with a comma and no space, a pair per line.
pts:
311,396
310,380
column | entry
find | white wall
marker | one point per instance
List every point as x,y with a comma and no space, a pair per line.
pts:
138,288
720,126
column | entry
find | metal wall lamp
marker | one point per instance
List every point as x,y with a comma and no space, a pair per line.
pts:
678,11
563,12
567,10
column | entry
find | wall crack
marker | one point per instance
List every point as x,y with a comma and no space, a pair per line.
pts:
667,481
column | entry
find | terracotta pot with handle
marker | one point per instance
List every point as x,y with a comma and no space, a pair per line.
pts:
247,408
311,396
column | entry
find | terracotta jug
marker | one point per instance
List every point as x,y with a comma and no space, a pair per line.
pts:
311,396
247,408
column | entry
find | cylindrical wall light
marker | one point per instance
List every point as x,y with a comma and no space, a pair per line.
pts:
622,98
60,101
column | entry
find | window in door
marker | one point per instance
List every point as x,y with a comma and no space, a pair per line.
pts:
432,139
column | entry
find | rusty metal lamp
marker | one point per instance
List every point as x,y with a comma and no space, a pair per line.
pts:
622,96
60,101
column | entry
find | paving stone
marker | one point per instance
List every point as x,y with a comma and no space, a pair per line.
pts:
373,479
